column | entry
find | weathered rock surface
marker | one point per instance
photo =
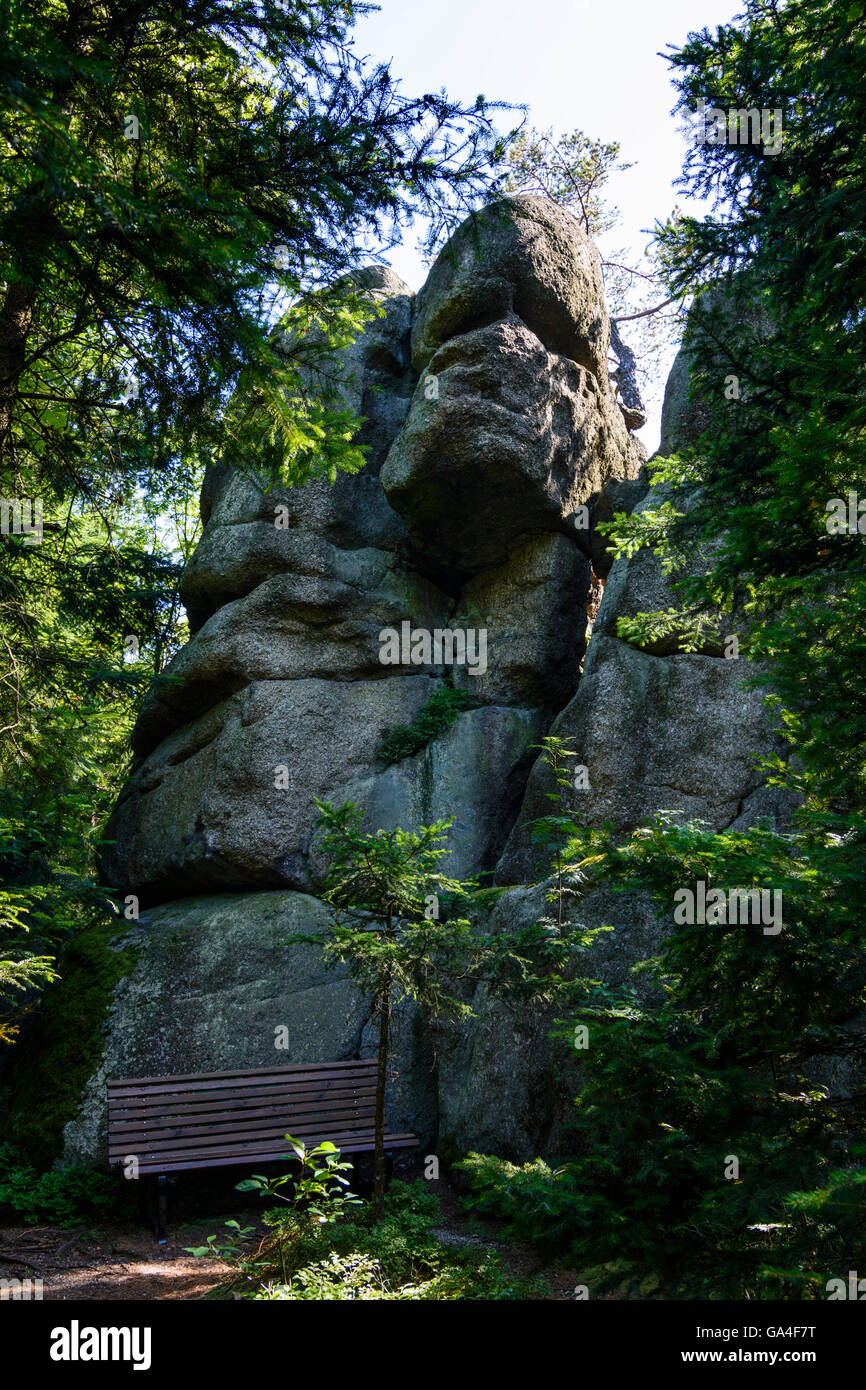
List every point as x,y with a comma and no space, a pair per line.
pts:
513,440
638,584
675,734
684,419
293,626
533,607
656,729
514,423
522,256
283,669
618,495
241,544
203,811
729,313
475,772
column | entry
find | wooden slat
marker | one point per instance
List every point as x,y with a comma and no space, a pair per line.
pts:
208,1140
336,1118
229,1100
169,1085
240,1115
286,1105
289,1068
166,1166
245,1146
148,1143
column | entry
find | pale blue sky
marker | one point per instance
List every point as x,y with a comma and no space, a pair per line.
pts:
591,64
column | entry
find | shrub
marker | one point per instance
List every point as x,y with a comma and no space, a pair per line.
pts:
67,1196
355,1258
435,716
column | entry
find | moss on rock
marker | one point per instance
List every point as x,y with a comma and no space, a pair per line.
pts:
64,1048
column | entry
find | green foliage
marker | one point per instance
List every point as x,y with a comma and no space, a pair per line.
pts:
166,246
45,1079
553,832
320,1190
395,1258
532,1201
571,170
65,1196
319,1195
23,970
384,889
710,1055
436,715
395,949
378,884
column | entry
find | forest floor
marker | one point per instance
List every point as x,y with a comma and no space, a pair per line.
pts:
104,1261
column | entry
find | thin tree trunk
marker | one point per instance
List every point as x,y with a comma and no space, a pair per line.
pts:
381,1083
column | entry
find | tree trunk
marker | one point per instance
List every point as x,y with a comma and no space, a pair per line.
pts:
381,1083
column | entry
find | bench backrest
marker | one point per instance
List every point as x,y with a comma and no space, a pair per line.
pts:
213,1119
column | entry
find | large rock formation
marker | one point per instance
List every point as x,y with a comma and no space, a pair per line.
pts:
494,434
463,518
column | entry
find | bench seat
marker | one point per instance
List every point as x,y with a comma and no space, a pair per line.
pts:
173,1124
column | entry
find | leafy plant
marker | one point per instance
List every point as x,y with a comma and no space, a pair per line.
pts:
319,1192
396,1257
68,1196
378,885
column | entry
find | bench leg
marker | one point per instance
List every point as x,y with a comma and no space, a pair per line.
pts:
161,1207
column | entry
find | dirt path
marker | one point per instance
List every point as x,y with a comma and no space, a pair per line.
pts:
110,1262
457,1226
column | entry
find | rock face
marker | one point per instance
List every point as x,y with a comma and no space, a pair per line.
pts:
462,520
728,312
655,729
495,436
514,423
522,257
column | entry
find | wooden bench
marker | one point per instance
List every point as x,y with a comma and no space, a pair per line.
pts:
172,1124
